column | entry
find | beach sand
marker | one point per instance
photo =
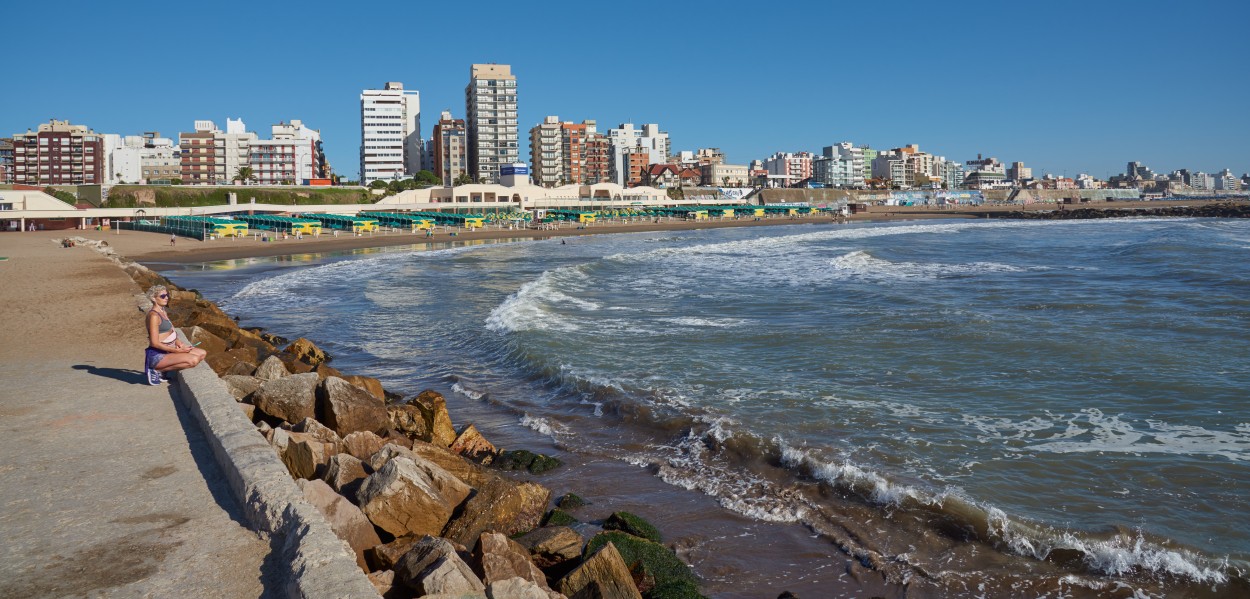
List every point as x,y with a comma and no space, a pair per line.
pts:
109,485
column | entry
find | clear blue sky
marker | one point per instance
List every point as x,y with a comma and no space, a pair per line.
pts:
1065,87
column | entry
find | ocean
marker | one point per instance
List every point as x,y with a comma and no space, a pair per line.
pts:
959,407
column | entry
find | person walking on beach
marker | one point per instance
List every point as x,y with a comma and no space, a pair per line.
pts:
165,352
172,238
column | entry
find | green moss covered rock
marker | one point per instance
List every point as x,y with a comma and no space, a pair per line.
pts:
670,574
520,459
632,524
569,501
558,517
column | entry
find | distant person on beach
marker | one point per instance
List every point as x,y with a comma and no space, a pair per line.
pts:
165,352
172,239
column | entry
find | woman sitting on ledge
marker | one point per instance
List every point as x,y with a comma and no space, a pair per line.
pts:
165,352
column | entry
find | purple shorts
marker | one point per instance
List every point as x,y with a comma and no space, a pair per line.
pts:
152,357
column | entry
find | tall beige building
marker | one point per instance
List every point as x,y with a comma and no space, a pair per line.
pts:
491,120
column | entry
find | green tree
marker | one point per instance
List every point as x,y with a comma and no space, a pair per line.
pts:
244,174
462,179
426,179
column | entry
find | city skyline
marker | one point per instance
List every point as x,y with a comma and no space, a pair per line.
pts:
1066,89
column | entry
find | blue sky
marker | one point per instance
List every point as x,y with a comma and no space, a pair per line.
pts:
1066,87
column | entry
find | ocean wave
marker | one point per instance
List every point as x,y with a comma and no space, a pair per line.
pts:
527,308
860,263
1091,430
473,394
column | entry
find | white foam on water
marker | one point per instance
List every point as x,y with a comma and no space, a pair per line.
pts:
860,263
691,321
544,426
1091,430
531,307
467,392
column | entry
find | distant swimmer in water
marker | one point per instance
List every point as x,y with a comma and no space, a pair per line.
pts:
563,242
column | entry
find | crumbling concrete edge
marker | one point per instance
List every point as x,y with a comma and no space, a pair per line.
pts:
320,565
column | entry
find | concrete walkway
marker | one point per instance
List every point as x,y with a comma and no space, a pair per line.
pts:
107,485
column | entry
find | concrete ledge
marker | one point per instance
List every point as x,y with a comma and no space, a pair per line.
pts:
320,564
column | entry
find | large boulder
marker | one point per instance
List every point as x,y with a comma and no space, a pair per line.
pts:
272,368
307,352
385,556
207,341
345,519
347,408
432,567
603,575
409,420
438,421
519,588
305,456
319,432
499,558
499,505
410,497
295,365
370,384
222,362
382,581
471,444
552,546
391,451
240,368
241,386
247,339
291,398
324,370
345,474
362,444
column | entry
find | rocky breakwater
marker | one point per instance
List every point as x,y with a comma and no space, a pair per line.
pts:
1220,210
427,510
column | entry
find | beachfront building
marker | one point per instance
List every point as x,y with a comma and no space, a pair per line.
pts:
1227,181
448,153
390,133
788,169
491,120
209,156
123,159
840,165
891,169
545,153
625,140
6,160
158,160
597,163
718,174
1018,173
565,153
293,156
985,173
951,174
59,153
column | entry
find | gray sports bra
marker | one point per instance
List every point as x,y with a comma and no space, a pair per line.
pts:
165,326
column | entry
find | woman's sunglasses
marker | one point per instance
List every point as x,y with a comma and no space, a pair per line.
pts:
163,296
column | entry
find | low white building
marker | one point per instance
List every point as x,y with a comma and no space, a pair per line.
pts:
123,159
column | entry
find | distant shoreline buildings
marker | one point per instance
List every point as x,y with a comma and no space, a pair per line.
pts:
480,147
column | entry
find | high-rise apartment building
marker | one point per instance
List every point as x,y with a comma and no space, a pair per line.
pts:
59,154
491,120
293,156
563,153
546,155
789,168
449,148
626,140
6,160
390,133
210,156
158,160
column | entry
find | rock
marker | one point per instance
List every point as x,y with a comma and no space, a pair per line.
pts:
471,444
247,339
241,369
518,588
292,398
520,459
648,558
409,420
632,524
346,520
274,340
362,444
347,408
304,455
499,505
472,474
393,436
570,501
320,432
410,497
432,566
552,546
438,421
345,474
382,581
249,410
294,365
241,386
499,558
389,452
272,368
385,556
372,385
208,342
305,351
603,575
325,370
559,517
222,362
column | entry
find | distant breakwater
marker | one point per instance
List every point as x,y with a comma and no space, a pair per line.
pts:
1222,210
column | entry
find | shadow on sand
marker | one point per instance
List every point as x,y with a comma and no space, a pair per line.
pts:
133,377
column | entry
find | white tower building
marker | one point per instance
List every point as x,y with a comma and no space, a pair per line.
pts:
390,133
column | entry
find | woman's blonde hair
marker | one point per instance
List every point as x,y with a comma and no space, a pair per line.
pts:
154,291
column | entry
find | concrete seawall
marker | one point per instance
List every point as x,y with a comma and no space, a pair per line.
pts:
317,563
